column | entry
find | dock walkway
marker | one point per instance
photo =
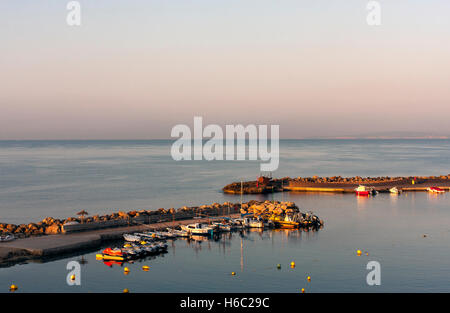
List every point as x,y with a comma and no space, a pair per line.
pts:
53,245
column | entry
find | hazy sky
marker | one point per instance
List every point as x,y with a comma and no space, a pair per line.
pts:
134,69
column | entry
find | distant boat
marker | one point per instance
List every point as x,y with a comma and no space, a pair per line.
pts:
365,191
395,190
435,190
5,238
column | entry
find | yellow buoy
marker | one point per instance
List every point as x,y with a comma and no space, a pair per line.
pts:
303,290
72,277
367,253
126,290
143,242
292,264
278,266
233,273
126,270
145,267
358,252
13,287
309,278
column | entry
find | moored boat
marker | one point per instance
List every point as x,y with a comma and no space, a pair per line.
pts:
435,190
365,191
222,227
7,237
254,222
132,238
395,190
198,229
177,232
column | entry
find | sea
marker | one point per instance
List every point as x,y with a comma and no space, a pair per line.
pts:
406,235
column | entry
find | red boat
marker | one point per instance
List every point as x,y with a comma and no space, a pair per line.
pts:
435,189
113,252
364,191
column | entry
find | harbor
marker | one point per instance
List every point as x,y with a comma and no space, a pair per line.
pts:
406,232
78,234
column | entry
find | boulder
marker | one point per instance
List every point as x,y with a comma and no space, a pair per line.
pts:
52,229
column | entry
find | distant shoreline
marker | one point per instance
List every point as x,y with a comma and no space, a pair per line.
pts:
443,137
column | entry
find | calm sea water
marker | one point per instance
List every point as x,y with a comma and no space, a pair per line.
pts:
59,178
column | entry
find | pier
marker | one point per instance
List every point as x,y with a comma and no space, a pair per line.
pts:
20,250
338,184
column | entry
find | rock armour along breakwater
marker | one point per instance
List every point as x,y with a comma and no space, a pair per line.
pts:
339,184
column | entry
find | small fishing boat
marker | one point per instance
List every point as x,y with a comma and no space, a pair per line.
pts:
435,190
365,191
150,236
395,190
237,223
132,238
287,222
254,222
177,232
222,226
198,229
7,237
113,254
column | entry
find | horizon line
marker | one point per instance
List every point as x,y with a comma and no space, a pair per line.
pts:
301,138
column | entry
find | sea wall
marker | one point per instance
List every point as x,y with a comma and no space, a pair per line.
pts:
337,184
52,226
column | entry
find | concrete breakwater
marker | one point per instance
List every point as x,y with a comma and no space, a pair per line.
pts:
338,184
53,226
94,231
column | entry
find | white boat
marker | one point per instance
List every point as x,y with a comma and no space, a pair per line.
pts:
395,190
237,223
198,229
254,222
149,236
178,233
165,234
132,238
6,238
222,226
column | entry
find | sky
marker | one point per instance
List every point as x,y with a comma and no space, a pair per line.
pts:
134,69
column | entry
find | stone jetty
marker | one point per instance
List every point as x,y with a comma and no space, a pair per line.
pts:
53,226
54,237
338,184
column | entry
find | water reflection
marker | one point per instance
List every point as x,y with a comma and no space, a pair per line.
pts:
362,202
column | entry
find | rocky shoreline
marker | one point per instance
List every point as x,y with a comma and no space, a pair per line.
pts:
337,184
